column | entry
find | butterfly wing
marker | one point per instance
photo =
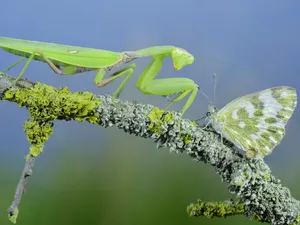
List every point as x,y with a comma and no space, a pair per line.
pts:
256,122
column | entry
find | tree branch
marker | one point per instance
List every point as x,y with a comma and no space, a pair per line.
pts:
13,210
263,196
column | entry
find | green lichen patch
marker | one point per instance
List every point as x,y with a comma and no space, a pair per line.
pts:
13,217
157,118
187,138
47,103
37,132
215,209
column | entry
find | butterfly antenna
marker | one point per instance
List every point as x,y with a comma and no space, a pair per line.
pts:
215,87
205,96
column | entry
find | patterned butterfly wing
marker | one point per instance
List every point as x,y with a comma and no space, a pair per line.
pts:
256,122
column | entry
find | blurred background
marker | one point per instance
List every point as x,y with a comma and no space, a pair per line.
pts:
91,175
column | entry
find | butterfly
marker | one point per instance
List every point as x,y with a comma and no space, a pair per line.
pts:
255,122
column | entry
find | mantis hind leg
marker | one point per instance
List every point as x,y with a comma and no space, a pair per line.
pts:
67,70
56,69
13,65
23,70
37,52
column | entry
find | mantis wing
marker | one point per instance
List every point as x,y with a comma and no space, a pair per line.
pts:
62,55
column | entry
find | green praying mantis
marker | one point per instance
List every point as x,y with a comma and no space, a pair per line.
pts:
70,60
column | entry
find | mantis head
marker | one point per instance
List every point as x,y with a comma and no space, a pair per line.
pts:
181,58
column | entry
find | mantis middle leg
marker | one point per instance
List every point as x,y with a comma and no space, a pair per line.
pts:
13,65
56,69
100,82
68,70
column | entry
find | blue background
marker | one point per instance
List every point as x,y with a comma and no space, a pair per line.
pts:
88,174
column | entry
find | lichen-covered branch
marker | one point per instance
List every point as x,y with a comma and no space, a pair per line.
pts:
263,197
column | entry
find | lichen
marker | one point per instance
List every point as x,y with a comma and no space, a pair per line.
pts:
37,133
13,217
157,118
46,104
187,138
215,209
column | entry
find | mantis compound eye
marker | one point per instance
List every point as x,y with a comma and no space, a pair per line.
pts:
181,58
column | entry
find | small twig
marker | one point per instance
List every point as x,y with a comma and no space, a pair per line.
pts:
21,188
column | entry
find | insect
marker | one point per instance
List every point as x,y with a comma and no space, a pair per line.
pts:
70,60
256,122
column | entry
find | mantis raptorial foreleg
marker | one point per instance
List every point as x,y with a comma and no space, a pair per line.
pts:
161,87
179,56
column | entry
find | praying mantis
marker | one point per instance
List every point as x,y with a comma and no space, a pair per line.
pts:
70,60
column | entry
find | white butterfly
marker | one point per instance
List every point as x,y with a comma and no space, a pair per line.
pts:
256,122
